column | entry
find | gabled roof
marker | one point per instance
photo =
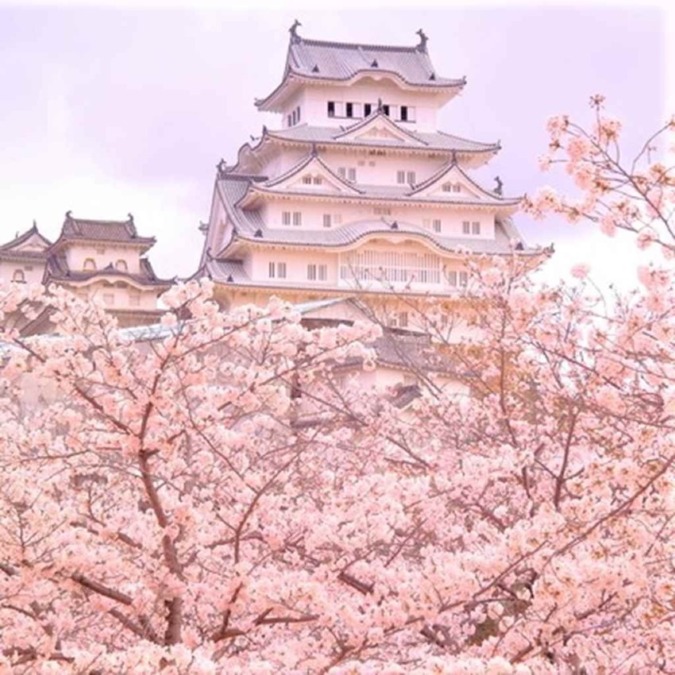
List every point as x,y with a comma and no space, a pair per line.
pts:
382,193
327,61
372,121
121,231
249,226
29,244
453,171
311,161
464,150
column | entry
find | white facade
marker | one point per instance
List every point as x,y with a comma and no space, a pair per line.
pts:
357,191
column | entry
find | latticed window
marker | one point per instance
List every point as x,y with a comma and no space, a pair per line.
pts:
456,278
317,272
391,267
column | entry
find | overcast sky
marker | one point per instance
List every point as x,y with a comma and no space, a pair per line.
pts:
108,111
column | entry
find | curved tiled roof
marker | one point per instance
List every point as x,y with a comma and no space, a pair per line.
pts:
122,231
322,61
250,226
302,134
12,249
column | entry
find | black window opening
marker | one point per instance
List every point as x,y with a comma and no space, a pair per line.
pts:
331,108
385,110
404,113
349,110
367,108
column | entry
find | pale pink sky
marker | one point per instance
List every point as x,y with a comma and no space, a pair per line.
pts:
109,111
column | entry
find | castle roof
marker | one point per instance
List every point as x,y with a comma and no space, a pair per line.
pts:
29,245
118,231
437,143
340,62
250,227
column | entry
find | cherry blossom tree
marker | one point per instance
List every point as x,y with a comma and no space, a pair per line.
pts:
209,496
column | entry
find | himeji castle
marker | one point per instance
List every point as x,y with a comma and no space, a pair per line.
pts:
356,192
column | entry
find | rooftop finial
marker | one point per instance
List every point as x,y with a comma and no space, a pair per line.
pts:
422,46
315,151
453,157
379,105
131,217
499,186
293,30
221,166
69,215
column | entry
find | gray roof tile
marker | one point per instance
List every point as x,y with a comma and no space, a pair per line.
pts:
319,59
428,141
249,222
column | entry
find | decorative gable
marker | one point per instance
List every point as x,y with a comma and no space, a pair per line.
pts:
312,174
379,127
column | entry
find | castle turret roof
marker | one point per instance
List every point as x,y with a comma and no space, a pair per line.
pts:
327,61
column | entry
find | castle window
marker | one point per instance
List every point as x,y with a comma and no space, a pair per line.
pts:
447,187
466,227
404,113
297,218
298,114
436,225
458,278
349,110
475,227
121,266
411,177
456,187
367,109
288,121
385,110
399,320
331,108
327,220
382,211
318,180
89,265
277,270
307,180
400,177
351,174
342,172
19,276
286,218
317,272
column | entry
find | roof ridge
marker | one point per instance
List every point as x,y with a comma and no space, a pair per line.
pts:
355,45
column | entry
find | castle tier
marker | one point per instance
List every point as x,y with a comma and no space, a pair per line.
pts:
101,259
358,194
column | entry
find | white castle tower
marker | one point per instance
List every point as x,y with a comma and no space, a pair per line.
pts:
357,194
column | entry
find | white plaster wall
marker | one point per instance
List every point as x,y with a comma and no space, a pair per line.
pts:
33,271
451,217
117,296
368,90
296,266
103,255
